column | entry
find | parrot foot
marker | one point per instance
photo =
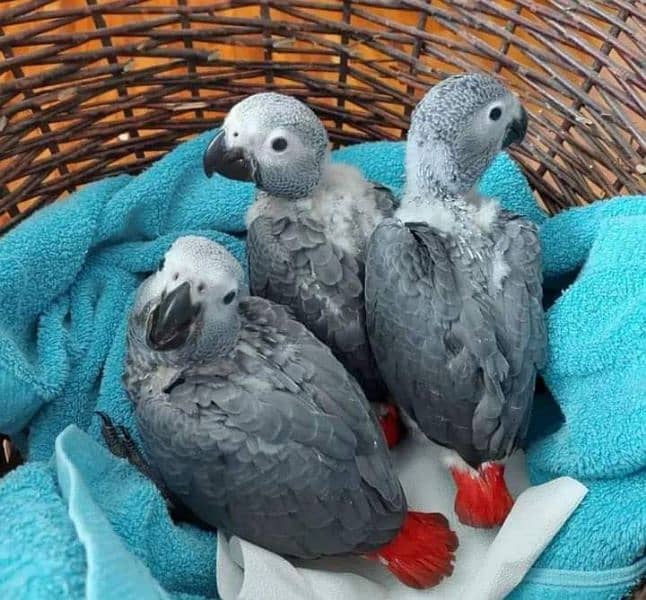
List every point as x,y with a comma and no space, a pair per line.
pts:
120,443
482,499
423,551
391,425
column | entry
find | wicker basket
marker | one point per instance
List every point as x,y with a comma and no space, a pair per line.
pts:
90,88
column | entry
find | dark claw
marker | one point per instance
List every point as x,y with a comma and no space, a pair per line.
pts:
136,459
111,436
120,443
132,452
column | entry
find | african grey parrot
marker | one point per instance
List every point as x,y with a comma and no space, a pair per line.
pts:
308,228
453,293
250,421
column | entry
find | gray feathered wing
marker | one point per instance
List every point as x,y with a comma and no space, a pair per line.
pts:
520,319
293,263
279,447
459,358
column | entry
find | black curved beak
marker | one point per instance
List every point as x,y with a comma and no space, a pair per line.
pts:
170,322
229,162
516,130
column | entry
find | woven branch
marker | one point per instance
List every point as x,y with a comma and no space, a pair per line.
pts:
92,88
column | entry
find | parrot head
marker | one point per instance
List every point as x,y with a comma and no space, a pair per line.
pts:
189,306
273,140
457,129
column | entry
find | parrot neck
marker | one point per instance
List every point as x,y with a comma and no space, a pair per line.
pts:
425,185
432,170
450,214
426,190
307,187
329,177
431,190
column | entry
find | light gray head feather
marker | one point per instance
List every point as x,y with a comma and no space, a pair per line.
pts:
216,281
285,138
456,131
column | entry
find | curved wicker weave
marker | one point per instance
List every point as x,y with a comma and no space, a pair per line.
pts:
93,87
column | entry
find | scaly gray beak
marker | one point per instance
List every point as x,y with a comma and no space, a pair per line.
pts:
170,322
516,130
229,162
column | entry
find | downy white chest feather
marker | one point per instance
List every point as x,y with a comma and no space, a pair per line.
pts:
343,203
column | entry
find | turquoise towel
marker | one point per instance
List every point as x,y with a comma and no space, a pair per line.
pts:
597,373
82,522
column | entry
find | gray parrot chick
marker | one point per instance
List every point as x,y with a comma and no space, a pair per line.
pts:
309,226
453,293
252,424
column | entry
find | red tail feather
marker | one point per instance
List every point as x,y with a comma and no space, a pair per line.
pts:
422,553
483,499
390,424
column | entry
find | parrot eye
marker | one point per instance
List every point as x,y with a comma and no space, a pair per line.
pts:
279,144
495,113
228,299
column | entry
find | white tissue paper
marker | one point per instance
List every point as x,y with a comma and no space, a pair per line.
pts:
489,563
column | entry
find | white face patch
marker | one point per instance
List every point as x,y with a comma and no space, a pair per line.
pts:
199,259
242,133
492,120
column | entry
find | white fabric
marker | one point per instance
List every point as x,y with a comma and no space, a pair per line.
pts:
489,563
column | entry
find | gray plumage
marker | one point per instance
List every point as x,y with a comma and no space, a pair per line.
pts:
309,226
252,422
453,284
